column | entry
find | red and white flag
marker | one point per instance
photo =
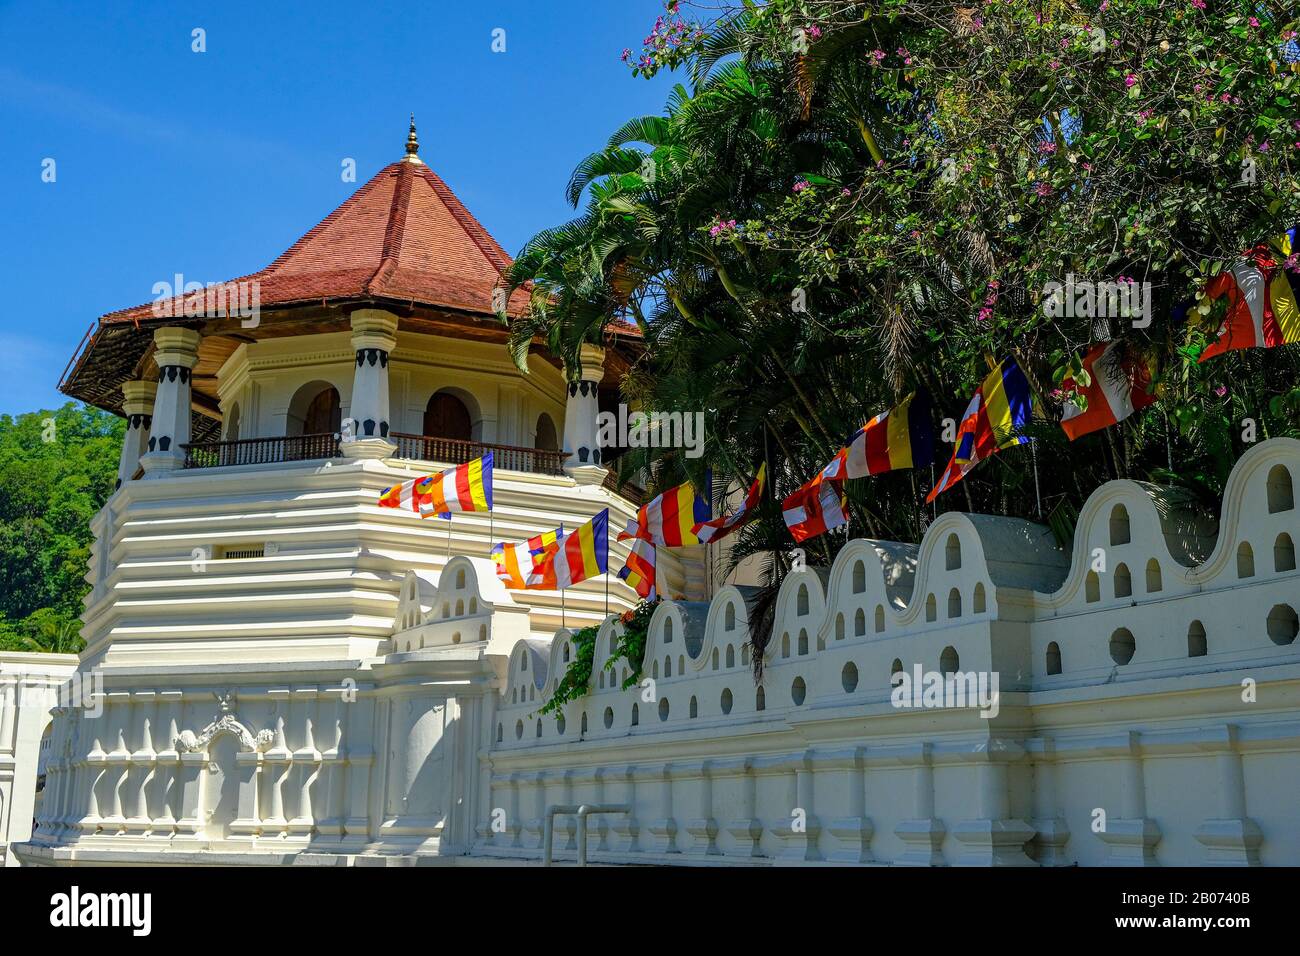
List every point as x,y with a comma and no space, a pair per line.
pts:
1120,386
816,508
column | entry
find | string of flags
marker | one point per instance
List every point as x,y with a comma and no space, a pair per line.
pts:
1263,311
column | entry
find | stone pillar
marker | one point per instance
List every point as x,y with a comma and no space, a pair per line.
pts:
1231,838
176,351
580,432
365,431
137,405
1131,838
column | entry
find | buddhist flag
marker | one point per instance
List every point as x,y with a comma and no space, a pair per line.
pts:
1261,292
518,564
902,437
1121,383
718,528
581,555
995,419
465,488
670,518
817,507
639,569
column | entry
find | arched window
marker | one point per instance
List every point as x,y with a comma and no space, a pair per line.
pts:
801,600
731,656
1053,658
1123,581
1155,582
694,708
314,410
584,722
500,733
1245,560
880,619
1092,588
980,605
668,631
954,604
949,662
859,623
1281,490
931,608
539,727
760,699
609,717
636,715
785,645
445,416
519,730
663,708
839,627
668,667
1119,526
730,621
1283,553
715,658
895,668
546,439
803,643
1197,644
1122,646
952,553
726,700
859,577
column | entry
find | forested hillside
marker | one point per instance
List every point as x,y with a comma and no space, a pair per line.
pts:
56,470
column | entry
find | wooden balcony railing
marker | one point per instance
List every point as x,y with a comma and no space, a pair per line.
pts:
453,451
261,451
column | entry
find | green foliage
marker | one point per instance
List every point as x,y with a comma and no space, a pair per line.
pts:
56,471
826,219
630,645
577,676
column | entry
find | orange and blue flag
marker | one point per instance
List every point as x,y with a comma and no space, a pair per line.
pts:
639,569
995,419
523,565
467,487
582,554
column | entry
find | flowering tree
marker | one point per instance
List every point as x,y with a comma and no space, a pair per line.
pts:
845,201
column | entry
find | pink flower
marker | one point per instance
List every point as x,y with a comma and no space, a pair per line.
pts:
814,31
1253,21
1221,391
845,190
626,53
801,185
1130,81
1199,4
1047,148
1043,189
877,55
985,314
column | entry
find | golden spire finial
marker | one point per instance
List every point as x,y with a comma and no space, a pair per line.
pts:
412,142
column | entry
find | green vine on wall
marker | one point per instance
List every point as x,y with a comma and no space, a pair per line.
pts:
577,676
576,680
631,643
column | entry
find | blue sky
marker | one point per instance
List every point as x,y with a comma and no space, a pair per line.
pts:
211,164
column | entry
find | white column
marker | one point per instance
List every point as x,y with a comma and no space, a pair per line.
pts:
137,406
365,433
176,353
580,432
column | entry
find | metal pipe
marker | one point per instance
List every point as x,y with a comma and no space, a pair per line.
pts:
584,811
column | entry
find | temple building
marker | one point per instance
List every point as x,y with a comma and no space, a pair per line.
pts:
277,670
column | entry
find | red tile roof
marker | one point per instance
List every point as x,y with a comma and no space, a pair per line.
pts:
403,235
